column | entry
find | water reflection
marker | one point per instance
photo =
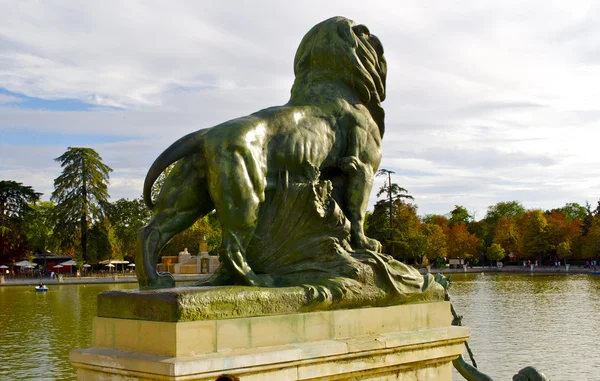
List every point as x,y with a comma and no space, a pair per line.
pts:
37,330
549,321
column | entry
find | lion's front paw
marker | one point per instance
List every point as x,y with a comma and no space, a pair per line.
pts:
374,245
369,244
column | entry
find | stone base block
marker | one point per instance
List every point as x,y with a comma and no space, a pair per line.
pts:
408,342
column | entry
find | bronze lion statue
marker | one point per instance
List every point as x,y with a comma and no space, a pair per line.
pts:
333,123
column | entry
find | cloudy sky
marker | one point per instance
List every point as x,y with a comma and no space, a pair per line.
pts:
487,101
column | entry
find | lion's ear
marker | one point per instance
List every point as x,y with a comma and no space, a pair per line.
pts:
346,32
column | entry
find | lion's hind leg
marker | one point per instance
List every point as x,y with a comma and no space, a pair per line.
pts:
237,188
182,200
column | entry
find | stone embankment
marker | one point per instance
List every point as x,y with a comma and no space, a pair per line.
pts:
87,280
514,269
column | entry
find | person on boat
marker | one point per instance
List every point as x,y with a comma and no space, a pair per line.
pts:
41,285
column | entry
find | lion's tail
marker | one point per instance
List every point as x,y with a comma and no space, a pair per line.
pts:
184,146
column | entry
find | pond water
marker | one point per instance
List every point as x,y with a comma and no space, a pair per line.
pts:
549,321
38,329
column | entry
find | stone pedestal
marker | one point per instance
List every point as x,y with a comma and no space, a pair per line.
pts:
405,342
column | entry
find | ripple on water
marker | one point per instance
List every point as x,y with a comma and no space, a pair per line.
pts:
549,321
37,330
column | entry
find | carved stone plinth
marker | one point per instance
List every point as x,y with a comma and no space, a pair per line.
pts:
405,342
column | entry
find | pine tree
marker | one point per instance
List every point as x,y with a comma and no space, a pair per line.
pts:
394,192
15,204
80,192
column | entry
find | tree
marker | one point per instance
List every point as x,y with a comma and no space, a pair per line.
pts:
563,250
436,219
461,243
572,211
15,204
495,253
394,192
437,246
486,228
534,234
80,192
126,218
102,243
513,209
409,241
591,241
37,227
377,224
507,234
561,229
588,219
15,198
460,215
158,184
191,237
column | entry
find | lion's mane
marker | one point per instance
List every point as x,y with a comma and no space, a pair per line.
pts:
338,50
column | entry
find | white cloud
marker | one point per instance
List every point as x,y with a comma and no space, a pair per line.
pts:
487,102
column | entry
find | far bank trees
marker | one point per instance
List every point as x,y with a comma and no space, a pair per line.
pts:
80,193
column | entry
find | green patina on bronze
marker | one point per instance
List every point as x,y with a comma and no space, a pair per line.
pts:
290,185
181,304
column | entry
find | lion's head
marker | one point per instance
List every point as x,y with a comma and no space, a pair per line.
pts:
338,50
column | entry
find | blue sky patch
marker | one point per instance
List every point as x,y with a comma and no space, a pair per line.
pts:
28,137
32,103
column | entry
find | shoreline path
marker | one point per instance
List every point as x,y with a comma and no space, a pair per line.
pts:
127,278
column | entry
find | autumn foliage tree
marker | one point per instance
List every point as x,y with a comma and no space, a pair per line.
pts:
437,245
506,234
534,234
462,244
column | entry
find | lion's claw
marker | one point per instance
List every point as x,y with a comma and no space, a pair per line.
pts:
349,164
